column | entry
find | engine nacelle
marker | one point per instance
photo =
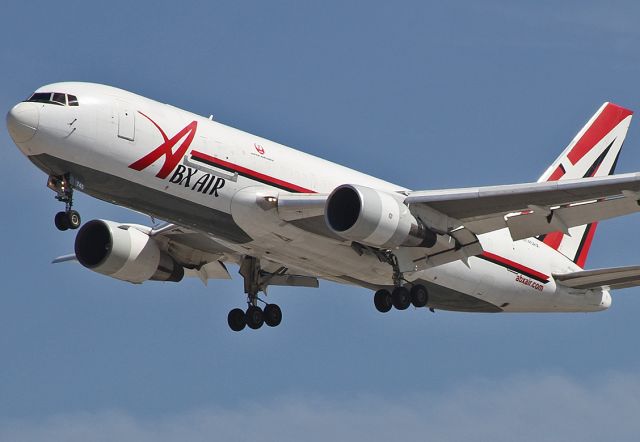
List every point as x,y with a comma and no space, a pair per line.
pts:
375,218
124,252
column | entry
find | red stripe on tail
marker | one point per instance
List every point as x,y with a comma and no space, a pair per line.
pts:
583,251
553,239
608,119
557,174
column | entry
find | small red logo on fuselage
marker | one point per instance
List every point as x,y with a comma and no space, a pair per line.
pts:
172,158
259,148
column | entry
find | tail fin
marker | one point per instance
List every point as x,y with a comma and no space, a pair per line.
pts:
593,152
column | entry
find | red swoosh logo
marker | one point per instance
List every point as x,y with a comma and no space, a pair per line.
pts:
172,158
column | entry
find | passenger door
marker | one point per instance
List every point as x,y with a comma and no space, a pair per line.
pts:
126,121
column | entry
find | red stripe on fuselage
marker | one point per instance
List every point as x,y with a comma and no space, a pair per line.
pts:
516,266
250,173
604,123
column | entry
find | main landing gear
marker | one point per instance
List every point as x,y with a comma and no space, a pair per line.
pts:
400,297
254,317
255,280
69,218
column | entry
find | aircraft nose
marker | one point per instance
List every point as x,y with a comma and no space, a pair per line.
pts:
22,121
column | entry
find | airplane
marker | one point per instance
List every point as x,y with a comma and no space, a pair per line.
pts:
291,219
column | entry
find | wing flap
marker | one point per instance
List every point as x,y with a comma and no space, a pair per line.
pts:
611,278
539,222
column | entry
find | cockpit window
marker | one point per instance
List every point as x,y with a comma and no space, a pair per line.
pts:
59,98
41,97
54,98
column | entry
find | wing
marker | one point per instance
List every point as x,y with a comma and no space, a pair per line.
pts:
204,256
459,215
529,209
201,255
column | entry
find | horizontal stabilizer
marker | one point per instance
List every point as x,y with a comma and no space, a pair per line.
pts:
65,258
611,278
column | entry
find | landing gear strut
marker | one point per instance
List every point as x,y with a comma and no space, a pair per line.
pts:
69,218
255,280
400,297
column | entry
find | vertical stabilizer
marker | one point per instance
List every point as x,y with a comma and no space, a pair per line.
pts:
593,152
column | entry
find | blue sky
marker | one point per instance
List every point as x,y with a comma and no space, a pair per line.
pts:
425,94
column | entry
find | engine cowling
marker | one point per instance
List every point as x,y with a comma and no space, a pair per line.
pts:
124,253
374,218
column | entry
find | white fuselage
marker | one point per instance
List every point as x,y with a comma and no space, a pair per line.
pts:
108,144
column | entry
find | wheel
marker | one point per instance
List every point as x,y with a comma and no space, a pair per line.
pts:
419,296
236,319
401,298
61,221
73,218
382,301
272,315
254,317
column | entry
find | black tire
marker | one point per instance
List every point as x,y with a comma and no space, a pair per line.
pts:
382,301
254,317
236,320
73,219
401,298
419,296
272,315
61,221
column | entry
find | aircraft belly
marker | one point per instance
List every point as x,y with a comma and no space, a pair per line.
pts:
136,196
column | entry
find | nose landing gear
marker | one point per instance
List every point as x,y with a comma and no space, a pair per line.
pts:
69,218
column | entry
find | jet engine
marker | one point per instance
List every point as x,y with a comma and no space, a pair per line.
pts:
124,252
375,218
